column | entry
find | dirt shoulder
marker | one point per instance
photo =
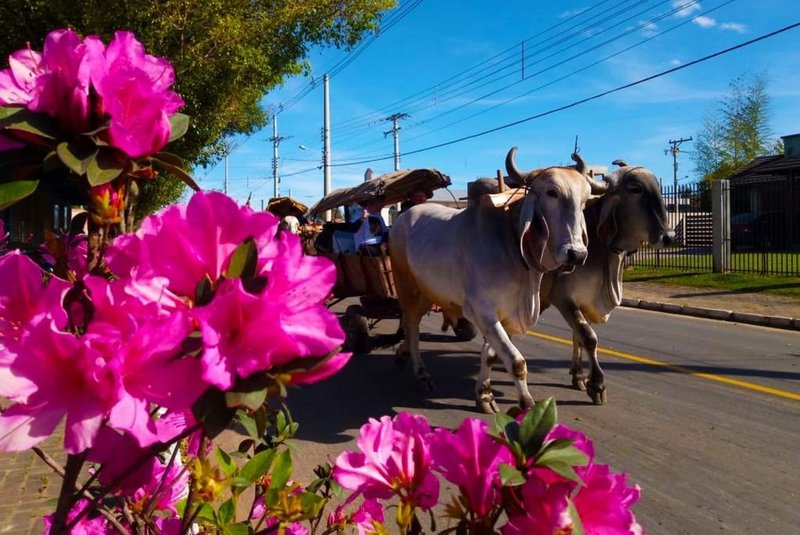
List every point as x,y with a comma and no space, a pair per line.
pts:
747,302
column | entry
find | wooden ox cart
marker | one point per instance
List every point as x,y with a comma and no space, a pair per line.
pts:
367,274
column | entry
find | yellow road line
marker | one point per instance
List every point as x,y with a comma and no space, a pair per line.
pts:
710,376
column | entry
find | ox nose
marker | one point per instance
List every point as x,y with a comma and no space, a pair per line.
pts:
576,257
668,238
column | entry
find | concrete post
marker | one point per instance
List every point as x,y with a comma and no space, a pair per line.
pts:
721,223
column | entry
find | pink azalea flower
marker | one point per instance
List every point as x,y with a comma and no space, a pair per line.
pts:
77,246
546,511
322,371
86,526
579,440
18,81
6,143
134,90
61,88
69,379
470,459
186,243
245,333
604,502
395,459
144,352
167,487
367,516
116,452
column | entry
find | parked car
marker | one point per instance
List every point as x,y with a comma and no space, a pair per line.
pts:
766,230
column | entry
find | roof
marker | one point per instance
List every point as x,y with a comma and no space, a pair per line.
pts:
283,206
389,188
768,166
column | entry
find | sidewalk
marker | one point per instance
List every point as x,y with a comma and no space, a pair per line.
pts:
742,307
28,488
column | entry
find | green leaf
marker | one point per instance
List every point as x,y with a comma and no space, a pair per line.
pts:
204,292
76,156
239,482
247,400
236,529
168,157
577,524
244,260
179,173
24,120
536,424
206,513
225,463
282,471
179,124
249,424
11,192
104,167
212,412
510,476
258,466
501,420
561,451
226,511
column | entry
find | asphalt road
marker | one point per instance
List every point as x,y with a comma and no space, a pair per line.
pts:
704,415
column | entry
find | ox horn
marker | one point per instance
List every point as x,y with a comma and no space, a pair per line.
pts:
511,167
620,163
598,188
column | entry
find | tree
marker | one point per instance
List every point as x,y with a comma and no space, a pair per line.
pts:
227,54
737,131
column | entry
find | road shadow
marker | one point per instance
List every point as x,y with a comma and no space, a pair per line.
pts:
373,385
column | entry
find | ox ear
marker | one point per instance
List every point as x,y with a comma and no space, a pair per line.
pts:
607,224
534,233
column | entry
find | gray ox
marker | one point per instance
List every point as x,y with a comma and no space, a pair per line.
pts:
485,264
629,214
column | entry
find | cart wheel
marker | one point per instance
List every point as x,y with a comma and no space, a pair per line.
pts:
465,331
356,330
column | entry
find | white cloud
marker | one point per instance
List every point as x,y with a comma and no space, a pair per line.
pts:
686,11
704,22
675,62
650,29
734,27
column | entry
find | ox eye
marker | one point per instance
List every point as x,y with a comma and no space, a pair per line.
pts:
552,193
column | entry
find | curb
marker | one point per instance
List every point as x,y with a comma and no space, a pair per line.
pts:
777,322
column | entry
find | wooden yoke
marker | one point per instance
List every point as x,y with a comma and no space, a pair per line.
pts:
505,198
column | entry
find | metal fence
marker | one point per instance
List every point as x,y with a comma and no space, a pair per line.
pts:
763,235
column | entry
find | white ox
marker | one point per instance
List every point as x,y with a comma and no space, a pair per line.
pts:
485,264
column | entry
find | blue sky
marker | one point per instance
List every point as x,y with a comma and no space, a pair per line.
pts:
421,65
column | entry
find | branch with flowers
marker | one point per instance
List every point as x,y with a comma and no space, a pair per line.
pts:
147,345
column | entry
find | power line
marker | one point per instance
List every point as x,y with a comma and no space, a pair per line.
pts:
591,98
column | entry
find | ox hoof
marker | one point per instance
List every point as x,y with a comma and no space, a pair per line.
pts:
401,358
598,393
579,382
424,382
487,405
526,403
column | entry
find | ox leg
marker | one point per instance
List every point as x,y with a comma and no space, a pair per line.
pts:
512,359
576,368
595,386
411,318
584,336
484,398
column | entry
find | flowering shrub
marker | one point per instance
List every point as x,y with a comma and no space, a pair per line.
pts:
148,345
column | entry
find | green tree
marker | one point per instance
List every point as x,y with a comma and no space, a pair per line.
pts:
737,131
227,54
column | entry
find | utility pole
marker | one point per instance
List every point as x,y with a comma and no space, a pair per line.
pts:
395,131
225,181
675,149
276,140
326,139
